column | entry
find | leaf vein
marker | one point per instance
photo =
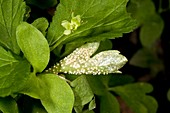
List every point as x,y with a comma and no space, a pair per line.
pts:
4,20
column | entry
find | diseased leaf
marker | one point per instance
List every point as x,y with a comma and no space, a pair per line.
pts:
12,74
99,20
104,45
11,14
8,105
135,97
70,47
109,104
34,46
80,61
55,94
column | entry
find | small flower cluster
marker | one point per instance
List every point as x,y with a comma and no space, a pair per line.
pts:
79,61
71,26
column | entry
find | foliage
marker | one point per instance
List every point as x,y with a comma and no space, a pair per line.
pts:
151,27
88,79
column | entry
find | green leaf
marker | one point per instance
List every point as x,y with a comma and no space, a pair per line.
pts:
151,23
82,91
143,58
135,97
97,84
104,45
12,74
27,13
34,46
34,87
58,51
141,10
60,98
11,14
83,95
8,105
168,94
41,24
55,94
151,31
87,111
117,80
92,104
147,58
38,109
107,19
109,104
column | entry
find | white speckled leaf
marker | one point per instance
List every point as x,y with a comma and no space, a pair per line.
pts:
108,61
80,55
80,61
